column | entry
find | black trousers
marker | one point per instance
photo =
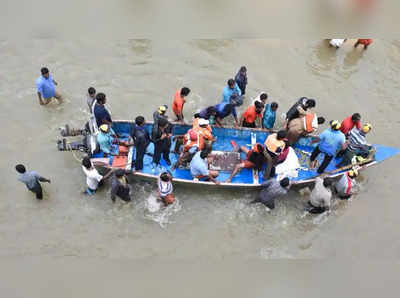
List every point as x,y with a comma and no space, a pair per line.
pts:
140,151
37,189
326,161
161,148
250,125
315,210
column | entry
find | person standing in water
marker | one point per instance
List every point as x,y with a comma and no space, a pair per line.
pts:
179,102
241,79
31,180
120,187
46,88
165,188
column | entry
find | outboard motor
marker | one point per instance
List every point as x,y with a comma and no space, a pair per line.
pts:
66,131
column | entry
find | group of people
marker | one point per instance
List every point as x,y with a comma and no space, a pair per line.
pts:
346,139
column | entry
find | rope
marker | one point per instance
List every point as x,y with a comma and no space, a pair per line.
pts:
73,153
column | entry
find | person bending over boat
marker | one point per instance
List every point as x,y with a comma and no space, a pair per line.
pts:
255,159
320,197
269,116
223,111
331,141
357,145
31,180
204,131
191,144
141,141
349,123
229,90
199,167
179,102
299,109
271,190
165,188
93,178
303,126
252,117
107,139
161,113
345,187
161,137
46,88
274,146
208,113
241,79
120,186
100,112
91,99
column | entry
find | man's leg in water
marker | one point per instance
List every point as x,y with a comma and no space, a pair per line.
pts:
59,97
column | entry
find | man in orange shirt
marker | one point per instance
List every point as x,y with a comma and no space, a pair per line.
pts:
253,113
179,101
364,42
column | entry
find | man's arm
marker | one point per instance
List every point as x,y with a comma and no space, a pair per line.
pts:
213,179
42,179
55,83
301,111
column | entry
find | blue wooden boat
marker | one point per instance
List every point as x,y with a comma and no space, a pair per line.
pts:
242,136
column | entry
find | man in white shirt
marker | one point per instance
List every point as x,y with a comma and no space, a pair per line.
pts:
93,178
320,198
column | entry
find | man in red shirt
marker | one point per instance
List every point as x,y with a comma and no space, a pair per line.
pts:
179,101
350,122
364,42
253,113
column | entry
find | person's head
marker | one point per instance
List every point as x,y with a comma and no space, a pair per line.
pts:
335,125
119,173
284,182
259,106
321,120
327,182
162,109
164,176
211,111
105,128
228,108
263,97
86,162
259,148
204,153
101,98
203,122
162,122
20,168
274,106
140,120
243,69
310,103
92,92
366,128
355,117
281,135
353,173
231,83
45,72
185,91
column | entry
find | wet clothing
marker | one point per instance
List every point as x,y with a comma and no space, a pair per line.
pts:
345,186
271,189
92,178
221,114
331,141
46,87
198,166
177,104
320,195
348,124
297,110
120,188
161,146
105,141
101,114
241,81
250,116
269,117
164,188
228,92
141,140
31,180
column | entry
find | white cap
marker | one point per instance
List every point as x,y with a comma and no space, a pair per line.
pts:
203,121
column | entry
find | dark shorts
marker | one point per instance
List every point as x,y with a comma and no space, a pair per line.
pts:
37,189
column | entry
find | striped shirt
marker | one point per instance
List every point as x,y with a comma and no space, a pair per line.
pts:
165,188
357,140
345,185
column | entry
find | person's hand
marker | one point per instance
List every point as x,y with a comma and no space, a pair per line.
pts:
236,125
217,182
48,181
163,136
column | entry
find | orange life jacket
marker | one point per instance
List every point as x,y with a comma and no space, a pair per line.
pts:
310,122
189,143
274,145
205,133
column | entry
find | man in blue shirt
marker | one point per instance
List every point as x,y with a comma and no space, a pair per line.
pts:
46,88
106,140
331,141
199,167
229,90
100,112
